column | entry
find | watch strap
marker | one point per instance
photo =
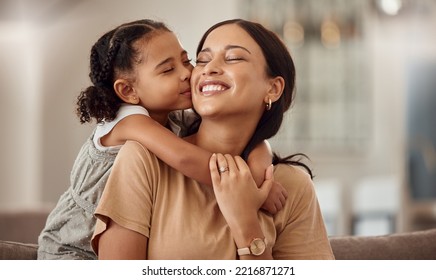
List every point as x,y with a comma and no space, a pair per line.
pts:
244,251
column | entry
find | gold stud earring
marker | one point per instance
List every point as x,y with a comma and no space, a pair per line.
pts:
268,105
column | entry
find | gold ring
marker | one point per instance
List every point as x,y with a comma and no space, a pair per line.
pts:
223,169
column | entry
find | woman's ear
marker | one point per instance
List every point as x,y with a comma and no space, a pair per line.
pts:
277,85
125,91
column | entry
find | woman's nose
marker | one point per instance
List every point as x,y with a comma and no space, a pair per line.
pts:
213,67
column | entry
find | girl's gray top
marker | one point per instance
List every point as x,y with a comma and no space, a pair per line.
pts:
69,227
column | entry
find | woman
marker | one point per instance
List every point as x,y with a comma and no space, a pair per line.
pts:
242,85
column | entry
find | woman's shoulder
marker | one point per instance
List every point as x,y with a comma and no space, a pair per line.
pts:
135,146
293,177
135,151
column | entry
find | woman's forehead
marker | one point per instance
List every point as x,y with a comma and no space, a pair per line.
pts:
230,35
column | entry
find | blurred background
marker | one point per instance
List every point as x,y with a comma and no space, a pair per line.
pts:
364,110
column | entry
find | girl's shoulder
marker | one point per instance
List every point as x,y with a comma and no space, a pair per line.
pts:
129,109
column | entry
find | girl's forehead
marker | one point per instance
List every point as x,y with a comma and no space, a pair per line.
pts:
152,37
158,40
161,47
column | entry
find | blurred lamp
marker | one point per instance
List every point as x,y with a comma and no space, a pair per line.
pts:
389,7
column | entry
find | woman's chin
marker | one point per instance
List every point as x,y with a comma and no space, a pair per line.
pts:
206,110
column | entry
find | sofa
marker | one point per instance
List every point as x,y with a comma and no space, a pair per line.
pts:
21,229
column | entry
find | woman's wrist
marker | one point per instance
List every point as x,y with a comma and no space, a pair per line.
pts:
245,230
250,241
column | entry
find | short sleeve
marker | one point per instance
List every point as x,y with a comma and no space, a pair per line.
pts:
301,230
128,195
104,128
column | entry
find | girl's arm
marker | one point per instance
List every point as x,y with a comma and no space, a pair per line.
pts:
189,159
259,160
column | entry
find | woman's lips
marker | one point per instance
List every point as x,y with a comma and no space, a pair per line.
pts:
212,87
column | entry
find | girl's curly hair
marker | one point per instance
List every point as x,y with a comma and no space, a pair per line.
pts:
112,54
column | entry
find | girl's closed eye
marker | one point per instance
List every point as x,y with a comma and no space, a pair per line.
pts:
168,70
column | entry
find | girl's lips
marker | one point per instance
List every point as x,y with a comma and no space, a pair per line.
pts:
187,92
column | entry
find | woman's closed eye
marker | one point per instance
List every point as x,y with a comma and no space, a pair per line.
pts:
234,58
227,59
187,62
201,61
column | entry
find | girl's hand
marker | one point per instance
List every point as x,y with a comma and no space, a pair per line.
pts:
276,198
237,194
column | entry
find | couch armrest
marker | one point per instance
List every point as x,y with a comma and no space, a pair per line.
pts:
418,245
10,250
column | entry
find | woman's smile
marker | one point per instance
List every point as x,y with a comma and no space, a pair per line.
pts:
209,88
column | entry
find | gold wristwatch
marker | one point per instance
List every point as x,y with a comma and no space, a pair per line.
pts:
257,247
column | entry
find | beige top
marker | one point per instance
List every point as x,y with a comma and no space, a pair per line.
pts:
182,220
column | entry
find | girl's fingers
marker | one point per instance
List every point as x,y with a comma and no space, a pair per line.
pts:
282,199
285,194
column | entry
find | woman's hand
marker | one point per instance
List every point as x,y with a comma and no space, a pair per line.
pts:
236,192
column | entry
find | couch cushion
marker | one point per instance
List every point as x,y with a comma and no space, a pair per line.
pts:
22,225
10,250
419,245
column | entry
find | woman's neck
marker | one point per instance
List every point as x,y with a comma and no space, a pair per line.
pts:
221,137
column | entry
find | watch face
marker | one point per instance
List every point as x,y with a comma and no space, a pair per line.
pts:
257,246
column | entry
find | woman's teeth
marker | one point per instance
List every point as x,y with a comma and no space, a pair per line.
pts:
213,88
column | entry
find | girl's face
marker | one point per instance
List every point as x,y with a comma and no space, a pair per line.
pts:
163,75
229,78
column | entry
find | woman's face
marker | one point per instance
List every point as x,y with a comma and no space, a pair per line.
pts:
229,78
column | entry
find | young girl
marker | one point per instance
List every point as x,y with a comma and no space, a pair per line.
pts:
140,74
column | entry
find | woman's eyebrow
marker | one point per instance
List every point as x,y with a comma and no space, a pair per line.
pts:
228,47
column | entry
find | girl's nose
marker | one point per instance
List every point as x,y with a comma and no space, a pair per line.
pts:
186,74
